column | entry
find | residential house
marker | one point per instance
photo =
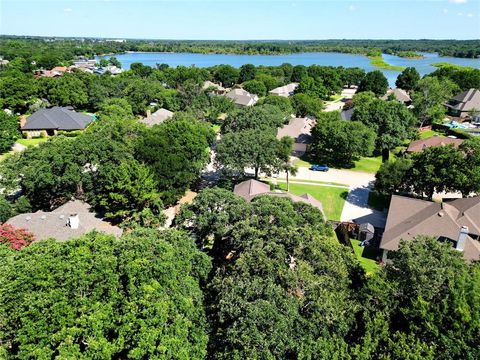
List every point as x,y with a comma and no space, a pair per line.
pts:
284,91
70,220
399,94
422,144
217,89
250,189
456,221
465,103
50,121
300,130
157,117
242,97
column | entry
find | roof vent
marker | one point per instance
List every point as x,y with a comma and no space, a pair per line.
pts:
28,218
44,217
441,213
74,221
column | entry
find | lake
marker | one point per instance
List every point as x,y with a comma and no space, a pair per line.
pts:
325,59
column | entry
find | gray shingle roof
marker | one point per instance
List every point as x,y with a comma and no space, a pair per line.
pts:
299,129
408,218
466,101
54,224
157,117
242,97
400,94
57,118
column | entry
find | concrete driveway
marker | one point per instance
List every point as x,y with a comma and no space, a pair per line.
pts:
347,177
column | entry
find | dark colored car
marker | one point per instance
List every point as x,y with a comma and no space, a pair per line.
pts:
316,167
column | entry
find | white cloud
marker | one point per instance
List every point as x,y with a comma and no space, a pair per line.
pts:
67,10
458,1
445,11
459,14
469,15
352,8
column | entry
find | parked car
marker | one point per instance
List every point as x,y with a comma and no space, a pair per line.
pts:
316,167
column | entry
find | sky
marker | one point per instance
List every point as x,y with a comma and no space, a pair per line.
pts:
243,19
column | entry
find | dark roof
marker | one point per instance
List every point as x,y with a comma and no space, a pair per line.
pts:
57,118
420,145
408,218
466,101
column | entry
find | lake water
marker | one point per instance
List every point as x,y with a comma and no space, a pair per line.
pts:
326,59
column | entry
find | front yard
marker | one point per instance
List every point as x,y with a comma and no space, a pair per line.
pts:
31,142
365,164
332,198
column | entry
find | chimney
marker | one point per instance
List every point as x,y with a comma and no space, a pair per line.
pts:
462,237
74,221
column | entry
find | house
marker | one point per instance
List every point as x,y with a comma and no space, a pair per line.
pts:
399,94
464,103
284,91
70,220
217,89
242,97
50,121
300,130
157,117
250,189
366,232
420,145
456,221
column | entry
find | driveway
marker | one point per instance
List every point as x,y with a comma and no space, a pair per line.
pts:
359,183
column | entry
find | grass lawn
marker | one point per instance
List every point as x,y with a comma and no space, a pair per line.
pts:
379,62
368,164
31,142
332,198
430,133
312,181
366,256
365,164
336,97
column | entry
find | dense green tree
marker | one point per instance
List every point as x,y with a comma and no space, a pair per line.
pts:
126,190
298,72
140,70
408,79
6,209
9,132
330,78
176,151
102,297
338,143
306,105
391,120
375,82
247,72
226,74
67,90
390,178
464,78
352,76
429,97
313,87
17,90
262,117
115,108
252,148
283,103
269,81
468,178
140,92
255,87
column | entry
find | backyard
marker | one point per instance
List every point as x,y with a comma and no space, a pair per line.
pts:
366,256
332,198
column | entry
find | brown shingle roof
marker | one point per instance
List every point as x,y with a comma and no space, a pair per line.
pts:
408,218
420,145
157,117
299,129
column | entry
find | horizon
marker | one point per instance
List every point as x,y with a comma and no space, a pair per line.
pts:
237,20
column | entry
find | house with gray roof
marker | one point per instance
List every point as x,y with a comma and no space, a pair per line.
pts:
242,97
464,103
157,117
70,220
399,95
300,129
50,121
456,221
285,91
251,189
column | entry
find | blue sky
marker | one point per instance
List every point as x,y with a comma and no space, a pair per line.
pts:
244,19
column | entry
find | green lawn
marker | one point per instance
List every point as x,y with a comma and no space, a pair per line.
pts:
379,62
368,164
366,256
31,142
332,198
312,181
430,133
336,97
365,164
